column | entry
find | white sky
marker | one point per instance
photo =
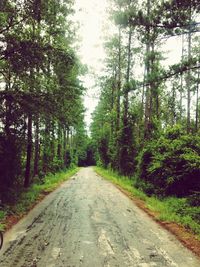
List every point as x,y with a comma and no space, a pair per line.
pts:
91,16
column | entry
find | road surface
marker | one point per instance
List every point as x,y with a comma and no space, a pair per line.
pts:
88,222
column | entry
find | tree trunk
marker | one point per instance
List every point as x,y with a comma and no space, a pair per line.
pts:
181,88
64,144
143,92
148,89
113,102
125,148
28,153
8,116
119,83
46,146
71,139
188,79
68,136
8,105
197,104
126,91
173,105
36,158
153,90
59,148
52,142
126,99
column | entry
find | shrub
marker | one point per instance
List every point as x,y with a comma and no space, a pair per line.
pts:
194,199
171,164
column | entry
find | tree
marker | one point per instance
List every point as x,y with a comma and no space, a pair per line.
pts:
151,107
41,93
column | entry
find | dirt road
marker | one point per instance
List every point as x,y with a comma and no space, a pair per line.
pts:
88,222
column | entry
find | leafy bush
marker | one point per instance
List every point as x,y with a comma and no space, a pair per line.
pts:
104,152
171,164
194,200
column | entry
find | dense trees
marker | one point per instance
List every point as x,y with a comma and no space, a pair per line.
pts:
149,125
147,121
40,95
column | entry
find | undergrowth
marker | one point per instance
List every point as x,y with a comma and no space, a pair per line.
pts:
27,198
169,209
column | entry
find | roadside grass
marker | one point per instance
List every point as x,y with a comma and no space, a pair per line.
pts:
169,209
30,196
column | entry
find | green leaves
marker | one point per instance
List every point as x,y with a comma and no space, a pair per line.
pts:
39,76
23,55
130,86
172,164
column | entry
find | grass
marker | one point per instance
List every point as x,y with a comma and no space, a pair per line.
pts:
170,209
30,196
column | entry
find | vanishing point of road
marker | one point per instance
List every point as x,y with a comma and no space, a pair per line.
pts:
88,222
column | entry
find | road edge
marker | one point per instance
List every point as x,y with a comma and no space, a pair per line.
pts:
12,220
187,238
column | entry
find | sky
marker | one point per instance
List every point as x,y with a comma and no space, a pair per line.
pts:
90,14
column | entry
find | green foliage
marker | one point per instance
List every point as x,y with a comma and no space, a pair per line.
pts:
67,158
127,151
104,150
130,86
171,164
135,120
56,165
88,158
2,217
100,132
39,73
194,199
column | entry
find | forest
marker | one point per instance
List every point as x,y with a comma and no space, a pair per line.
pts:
41,116
147,122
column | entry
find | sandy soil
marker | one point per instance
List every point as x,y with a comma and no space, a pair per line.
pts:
89,222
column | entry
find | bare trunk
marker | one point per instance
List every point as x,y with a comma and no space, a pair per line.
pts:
188,80
46,146
197,104
59,148
126,99
181,89
143,91
148,89
8,105
113,100
152,90
68,137
36,158
64,144
173,106
119,83
28,153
